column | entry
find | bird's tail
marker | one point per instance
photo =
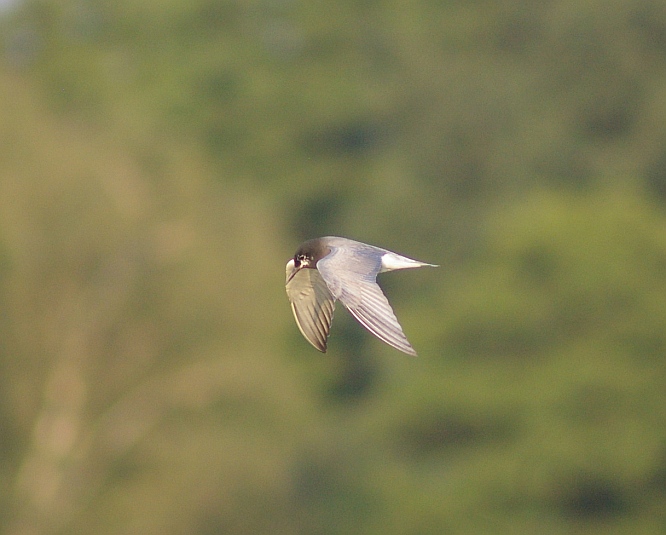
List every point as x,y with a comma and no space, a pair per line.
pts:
393,261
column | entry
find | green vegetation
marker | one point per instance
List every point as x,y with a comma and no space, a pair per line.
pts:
161,161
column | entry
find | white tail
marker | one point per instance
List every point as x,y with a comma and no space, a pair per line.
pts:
392,261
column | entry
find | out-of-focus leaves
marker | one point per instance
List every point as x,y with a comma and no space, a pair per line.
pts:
160,162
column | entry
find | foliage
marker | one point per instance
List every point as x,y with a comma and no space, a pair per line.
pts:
161,161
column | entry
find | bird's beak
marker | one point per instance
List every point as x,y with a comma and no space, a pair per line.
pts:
291,270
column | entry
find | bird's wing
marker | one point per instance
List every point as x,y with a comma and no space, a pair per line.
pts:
351,278
312,305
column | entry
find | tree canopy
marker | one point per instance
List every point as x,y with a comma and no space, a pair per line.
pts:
160,163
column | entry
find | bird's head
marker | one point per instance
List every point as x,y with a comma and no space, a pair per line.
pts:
300,261
307,256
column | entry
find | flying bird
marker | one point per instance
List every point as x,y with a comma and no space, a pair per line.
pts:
328,269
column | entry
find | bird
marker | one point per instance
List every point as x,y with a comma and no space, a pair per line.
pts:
325,270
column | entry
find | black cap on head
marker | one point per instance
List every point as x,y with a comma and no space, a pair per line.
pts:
311,250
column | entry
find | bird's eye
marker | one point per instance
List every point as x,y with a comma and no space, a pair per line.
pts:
297,262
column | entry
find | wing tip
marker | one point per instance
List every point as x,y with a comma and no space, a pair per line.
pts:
319,345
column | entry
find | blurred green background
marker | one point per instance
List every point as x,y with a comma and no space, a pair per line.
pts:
161,161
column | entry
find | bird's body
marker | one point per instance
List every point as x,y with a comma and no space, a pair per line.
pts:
328,269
